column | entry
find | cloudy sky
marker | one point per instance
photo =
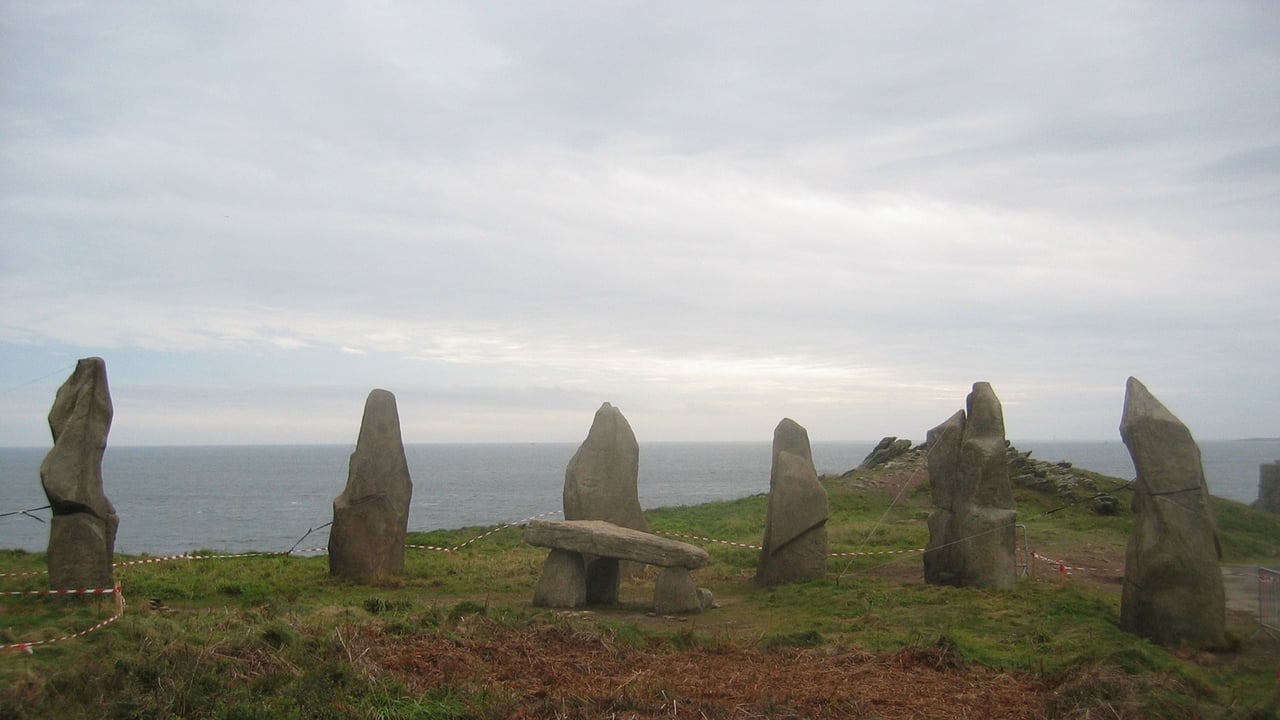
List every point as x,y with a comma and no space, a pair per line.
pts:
712,215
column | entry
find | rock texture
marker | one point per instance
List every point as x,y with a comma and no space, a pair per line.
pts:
1269,487
82,533
971,533
887,449
371,516
795,535
1173,592
601,482
594,537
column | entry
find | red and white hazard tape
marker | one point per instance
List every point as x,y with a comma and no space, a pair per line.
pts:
878,552
478,538
25,574
1067,569
708,539
28,646
62,591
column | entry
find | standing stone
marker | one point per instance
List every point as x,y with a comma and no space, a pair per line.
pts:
601,482
371,516
1173,590
795,533
82,533
1269,487
971,533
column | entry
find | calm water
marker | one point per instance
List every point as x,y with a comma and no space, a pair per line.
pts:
176,499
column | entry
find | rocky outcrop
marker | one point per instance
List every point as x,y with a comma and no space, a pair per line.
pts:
1173,592
971,533
795,535
82,533
1268,487
887,449
371,516
1060,478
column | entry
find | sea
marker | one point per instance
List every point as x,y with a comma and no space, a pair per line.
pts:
274,498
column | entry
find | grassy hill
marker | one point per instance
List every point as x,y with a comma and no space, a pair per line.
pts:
275,636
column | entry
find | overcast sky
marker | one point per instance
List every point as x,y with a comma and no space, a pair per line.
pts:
712,215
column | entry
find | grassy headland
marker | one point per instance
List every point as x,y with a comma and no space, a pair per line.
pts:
276,637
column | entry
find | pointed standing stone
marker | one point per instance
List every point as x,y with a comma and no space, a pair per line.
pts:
1173,590
971,533
601,482
371,516
795,534
82,533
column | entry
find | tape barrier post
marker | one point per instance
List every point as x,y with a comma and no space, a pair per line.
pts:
1269,600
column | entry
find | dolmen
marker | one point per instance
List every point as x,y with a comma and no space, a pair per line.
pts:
795,534
1173,592
82,533
371,516
971,531
565,582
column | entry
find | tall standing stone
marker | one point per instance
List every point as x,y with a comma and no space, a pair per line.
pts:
1269,487
971,532
82,533
601,482
1173,590
371,516
795,533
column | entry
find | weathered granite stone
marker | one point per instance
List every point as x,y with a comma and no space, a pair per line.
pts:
601,482
674,592
971,533
371,516
1173,591
887,449
82,533
795,534
1268,487
563,583
603,539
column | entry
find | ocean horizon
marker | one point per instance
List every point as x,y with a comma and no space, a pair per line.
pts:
237,498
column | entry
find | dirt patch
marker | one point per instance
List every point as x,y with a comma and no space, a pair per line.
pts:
556,671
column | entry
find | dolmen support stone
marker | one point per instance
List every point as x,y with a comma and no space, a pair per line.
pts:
371,516
82,533
601,482
971,531
795,536
565,582
1268,487
1173,591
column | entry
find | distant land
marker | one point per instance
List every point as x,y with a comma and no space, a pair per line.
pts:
1260,439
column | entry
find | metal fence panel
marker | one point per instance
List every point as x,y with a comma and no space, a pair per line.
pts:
1269,599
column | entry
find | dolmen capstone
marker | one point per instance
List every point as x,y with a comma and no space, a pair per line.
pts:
565,581
971,531
82,533
795,533
601,482
1173,592
371,516
1268,487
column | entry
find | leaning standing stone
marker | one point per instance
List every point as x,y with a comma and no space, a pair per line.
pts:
971,531
371,516
1173,591
82,533
795,534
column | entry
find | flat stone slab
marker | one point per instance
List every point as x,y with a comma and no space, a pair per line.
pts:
604,539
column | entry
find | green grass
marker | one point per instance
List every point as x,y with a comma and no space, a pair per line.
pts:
276,636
